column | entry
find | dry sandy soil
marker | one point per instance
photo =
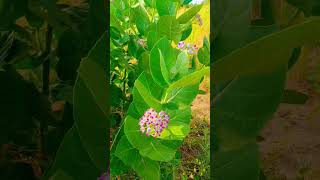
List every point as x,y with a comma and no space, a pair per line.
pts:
290,149
201,105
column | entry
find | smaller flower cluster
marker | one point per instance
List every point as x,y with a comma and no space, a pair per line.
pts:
153,123
191,48
141,42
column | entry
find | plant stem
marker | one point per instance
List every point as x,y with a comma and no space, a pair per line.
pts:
124,91
45,86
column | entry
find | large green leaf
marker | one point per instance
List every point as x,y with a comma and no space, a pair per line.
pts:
142,20
170,27
246,103
231,25
253,58
153,38
155,149
179,125
73,160
242,163
204,52
188,15
145,168
167,7
189,79
182,64
178,95
186,33
167,62
90,103
143,87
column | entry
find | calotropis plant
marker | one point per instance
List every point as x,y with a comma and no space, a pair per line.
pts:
168,87
158,118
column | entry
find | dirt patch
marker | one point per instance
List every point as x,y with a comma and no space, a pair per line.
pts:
201,105
291,146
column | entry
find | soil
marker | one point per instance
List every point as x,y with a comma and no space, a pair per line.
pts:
201,105
290,147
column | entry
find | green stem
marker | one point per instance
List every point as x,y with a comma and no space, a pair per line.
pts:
45,86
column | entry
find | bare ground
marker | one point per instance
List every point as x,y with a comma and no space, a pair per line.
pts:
291,146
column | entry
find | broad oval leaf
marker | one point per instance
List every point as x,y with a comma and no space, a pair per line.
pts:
242,162
170,27
167,7
188,15
169,55
145,167
255,55
73,159
90,103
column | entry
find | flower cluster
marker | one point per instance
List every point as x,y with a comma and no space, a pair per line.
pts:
141,42
191,48
153,123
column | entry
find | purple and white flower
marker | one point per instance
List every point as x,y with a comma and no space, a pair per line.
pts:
190,48
181,45
153,123
141,42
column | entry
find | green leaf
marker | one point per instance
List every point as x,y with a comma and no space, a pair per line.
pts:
182,64
166,7
168,53
150,3
242,163
204,56
73,159
186,2
254,55
115,22
60,175
179,125
163,68
189,79
145,168
186,33
170,27
117,167
183,96
139,85
155,149
142,20
246,103
228,16
90,103
188,15
153,38
144,61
